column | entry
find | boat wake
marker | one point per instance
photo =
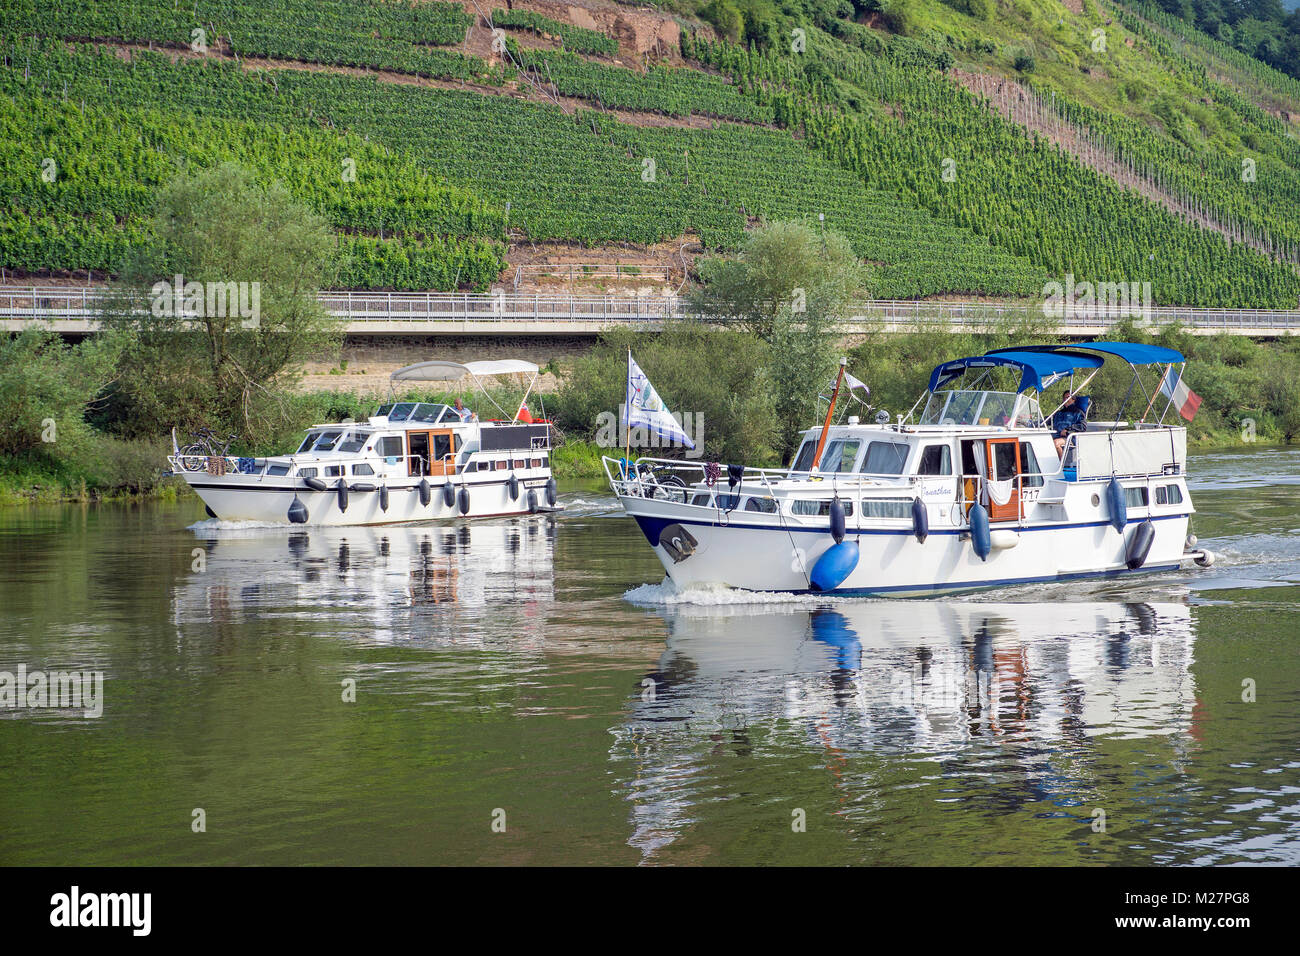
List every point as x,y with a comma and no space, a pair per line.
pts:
668,594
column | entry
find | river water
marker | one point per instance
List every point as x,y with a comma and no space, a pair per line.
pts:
529,691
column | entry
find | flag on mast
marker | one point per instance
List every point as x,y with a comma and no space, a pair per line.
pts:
645,409
1182,397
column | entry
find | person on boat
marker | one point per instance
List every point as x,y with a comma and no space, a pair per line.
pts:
1070,417
463,413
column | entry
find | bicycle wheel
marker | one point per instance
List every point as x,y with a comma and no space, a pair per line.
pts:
194,457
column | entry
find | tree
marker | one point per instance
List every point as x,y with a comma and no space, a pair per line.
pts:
46,387
221,310
789,285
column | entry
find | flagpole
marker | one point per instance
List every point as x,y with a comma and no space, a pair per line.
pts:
826,427
1168,368
627,407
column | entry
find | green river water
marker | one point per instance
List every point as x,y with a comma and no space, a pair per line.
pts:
529,692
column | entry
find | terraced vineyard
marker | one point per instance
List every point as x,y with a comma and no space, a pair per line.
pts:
575,39
940,193
538,160
381,34
901,127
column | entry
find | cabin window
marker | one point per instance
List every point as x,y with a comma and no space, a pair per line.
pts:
803,462
886,507
884,458
935,460
500,465
352,444
520,463
390,447
538,462
401,411
334,471
728,502
1033,475
701,499
441,447
362,469
841,454
1004,461
384,410
765,505
1169,495
308,442
813,506
279,470
328,440
1135,497
485,466
302,472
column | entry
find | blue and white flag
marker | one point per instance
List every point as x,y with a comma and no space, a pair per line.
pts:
645,409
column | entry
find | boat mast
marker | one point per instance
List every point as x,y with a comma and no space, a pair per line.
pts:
826,426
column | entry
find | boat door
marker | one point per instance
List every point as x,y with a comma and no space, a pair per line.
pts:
1004,469
432,452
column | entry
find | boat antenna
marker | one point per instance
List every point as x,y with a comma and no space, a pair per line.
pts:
826,426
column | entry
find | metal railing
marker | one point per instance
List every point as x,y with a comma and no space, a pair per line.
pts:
432,310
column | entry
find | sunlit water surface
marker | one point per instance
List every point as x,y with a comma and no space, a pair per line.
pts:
530,691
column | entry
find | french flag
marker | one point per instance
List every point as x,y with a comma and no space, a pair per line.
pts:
1183,398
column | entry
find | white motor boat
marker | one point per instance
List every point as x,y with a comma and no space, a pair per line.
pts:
410,461
966,491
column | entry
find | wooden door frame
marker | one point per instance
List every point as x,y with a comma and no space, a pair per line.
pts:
1011,510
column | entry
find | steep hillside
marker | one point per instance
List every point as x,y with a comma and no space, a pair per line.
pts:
435,137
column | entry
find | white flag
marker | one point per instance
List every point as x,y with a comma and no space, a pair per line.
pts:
645,409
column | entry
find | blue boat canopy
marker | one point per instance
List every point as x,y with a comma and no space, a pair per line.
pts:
1134,353
1038,369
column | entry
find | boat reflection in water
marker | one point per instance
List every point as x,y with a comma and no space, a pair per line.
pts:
1020,693
379,584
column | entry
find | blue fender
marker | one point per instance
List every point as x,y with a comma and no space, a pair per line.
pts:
836,564
920,520
1118,507
980,538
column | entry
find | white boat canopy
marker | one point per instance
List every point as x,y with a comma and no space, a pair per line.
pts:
441,370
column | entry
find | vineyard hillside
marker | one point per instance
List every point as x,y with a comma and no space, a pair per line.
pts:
973,148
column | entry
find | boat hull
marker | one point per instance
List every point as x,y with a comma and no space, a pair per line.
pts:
892,562
231,499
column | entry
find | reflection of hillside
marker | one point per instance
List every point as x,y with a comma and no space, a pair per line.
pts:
393,583
1029,688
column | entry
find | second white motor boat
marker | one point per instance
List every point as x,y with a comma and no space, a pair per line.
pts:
410,461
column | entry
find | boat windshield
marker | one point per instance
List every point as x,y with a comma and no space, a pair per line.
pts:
356,438
976,407
428,412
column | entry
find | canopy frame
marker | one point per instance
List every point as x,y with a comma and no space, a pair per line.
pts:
442,370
